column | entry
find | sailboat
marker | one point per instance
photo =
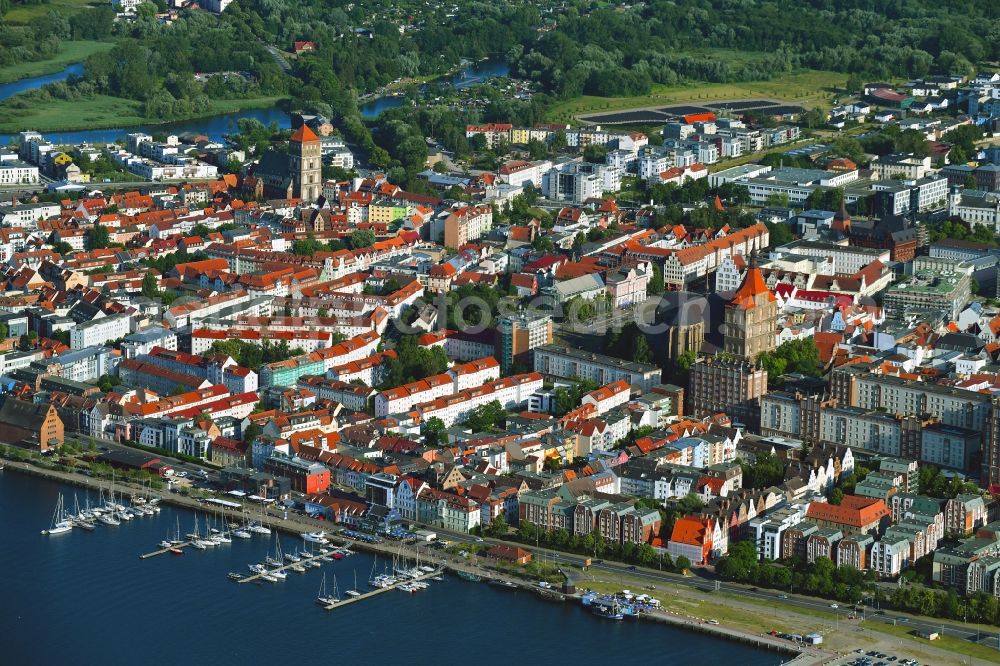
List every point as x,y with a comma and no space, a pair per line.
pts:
259,527
219,537
176,541
81,519
322,599
209,539
276,560
354,592
59,523
242,531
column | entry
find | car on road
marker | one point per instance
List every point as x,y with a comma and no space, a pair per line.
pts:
782,596
182,474
834,606
479,539
631,567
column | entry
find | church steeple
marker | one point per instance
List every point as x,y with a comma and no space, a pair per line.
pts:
842,221
305,164
751,316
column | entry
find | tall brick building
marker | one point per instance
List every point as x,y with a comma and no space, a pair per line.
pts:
751,317
27,424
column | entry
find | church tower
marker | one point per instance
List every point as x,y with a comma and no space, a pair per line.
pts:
842,220
305,164
751,317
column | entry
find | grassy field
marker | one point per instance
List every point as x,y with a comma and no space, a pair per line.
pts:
102,111
758,616
24,13
70,53
808,88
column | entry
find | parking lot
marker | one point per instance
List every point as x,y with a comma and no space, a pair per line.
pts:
874,658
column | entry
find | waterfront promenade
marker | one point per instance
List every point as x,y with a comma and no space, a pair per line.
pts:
756,614
297,525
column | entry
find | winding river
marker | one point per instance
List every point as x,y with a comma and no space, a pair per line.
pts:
215,127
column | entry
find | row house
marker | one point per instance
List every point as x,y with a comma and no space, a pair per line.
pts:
288,372
448,511
889,556
202,339
608,397
695,538
620,522
963,515
370,370
510,392
354,397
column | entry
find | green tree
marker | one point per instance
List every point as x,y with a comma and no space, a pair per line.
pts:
362,238
490,416
434,431
498,527
801,356
655,285
766,471
98,237
682,563
150,285
594,153
251,432
643,354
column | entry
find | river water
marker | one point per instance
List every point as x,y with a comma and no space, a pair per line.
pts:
216,127
88,596
15,87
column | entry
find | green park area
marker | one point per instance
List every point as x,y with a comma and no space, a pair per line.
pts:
69,53
101,111
805,88
24,13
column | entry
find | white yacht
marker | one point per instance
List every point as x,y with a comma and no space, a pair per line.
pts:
316,537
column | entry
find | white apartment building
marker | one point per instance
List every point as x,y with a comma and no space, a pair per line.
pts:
975,209
142,342
99,331
568,363
403,398
521,173
888,558
847,259
26,216
15,172
474,373
510,392
579,181
905,165
652,161
767,529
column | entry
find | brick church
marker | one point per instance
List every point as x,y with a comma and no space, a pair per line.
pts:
295,174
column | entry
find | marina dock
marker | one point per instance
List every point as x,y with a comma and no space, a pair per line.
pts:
288,565
380,590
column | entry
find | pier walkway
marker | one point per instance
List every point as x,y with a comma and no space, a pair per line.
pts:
380,590
325,554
